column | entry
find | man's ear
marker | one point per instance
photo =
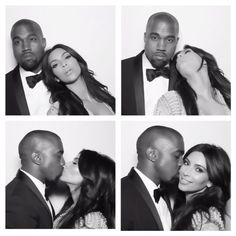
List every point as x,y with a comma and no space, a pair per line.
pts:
36,158
44,43
152,154
145,39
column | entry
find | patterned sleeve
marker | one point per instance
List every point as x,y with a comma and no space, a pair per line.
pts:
203,221
169,104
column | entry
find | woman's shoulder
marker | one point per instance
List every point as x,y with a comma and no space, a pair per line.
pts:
207,221
92,220
170,103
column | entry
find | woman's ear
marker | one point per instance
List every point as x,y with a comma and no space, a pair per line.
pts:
152,154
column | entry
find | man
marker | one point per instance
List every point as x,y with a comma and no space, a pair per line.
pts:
140,89
159,152
26,93
41,154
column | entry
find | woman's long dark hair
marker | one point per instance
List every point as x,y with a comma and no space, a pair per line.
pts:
218,169
97,189
70,103
217,80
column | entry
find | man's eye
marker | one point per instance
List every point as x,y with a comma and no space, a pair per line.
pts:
16,42
170,40
33,39
154,37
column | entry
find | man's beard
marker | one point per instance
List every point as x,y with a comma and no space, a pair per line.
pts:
158,64
31,65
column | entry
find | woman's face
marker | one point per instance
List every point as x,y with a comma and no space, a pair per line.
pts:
64,66
71,173
193,176
188,62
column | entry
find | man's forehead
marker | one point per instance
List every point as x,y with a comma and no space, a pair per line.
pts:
26,28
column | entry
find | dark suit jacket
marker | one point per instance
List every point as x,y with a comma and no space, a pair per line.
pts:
138,211
132,86
16,103
25,206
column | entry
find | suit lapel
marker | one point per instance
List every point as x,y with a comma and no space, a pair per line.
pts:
19,92
24,178
146,196
138,84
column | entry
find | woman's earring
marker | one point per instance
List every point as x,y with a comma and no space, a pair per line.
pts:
57,80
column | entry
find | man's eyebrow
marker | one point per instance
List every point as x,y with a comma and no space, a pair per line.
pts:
18,37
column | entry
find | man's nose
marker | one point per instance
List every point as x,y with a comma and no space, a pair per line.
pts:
25,45
63,163
161,44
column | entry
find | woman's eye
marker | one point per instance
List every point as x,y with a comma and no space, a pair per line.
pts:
199,170
54,66
185,163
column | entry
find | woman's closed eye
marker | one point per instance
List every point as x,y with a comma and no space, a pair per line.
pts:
68,56
187,51
54,66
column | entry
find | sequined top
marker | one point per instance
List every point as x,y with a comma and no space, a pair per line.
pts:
92,220
204,221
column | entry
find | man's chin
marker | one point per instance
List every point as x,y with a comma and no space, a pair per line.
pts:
30,66
158,63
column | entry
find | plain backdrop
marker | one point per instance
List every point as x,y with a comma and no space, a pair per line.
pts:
75,136
90,30
206,27
193,132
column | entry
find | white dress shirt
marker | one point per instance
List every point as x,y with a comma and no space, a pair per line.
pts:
41,187
38,97
161,206
152,90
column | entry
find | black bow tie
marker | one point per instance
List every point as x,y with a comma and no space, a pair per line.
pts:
33,80
152,74
159,192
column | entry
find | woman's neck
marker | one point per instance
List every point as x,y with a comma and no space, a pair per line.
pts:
80,89
200,83
75,191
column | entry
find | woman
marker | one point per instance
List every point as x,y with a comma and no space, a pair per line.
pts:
91,179
204,178
74,90
200,87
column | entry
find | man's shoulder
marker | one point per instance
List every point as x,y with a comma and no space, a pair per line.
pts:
11,74
132,59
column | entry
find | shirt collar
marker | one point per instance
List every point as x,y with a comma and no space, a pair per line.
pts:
40,186
150,185
25,73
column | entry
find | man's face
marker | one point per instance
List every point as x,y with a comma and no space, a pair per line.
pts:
160,40
170,157
52,160
28,47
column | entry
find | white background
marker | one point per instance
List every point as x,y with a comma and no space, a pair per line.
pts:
206,27
89,30
119,121
213,132
75,136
